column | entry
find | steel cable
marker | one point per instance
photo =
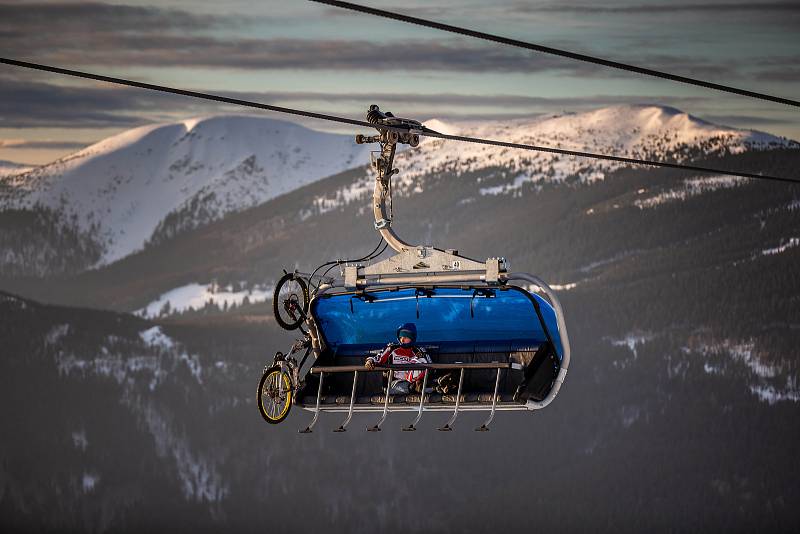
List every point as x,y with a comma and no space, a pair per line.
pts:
557,52
424,132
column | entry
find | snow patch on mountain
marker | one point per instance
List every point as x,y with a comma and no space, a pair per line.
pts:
513,187
564,287
591,266
154,337
783,247
773,395
690,188
89,481
629,414
79,440
196,296
633,340
772,382
158,355
356,191
107,364
711,369
746,353
56,334
125,187
198,471
740,351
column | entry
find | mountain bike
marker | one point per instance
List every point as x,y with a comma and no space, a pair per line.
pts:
280,382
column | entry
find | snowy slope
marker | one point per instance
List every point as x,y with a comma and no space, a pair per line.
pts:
126,185
153,182
8,168
640,131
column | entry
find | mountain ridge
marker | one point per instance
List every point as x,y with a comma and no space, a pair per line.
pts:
148,184
124,186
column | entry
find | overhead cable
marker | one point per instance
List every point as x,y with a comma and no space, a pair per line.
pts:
183,92
557,52
609,157
423,132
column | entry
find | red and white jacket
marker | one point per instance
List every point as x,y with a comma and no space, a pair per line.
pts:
399,355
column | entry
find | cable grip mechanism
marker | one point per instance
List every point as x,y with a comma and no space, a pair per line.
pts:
391,132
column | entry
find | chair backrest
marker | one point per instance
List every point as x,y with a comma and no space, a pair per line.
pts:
515,350
451,314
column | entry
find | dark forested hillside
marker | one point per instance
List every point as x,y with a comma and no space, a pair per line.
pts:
40,242
621,227
678,412
116,424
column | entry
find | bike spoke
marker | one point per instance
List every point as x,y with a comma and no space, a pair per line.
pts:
272,399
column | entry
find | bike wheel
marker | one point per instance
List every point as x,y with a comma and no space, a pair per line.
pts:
290,301
274,395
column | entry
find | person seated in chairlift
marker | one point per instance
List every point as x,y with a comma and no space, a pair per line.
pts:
403,353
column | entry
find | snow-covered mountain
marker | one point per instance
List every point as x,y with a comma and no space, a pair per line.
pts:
153,182
168,177
637,131
9,167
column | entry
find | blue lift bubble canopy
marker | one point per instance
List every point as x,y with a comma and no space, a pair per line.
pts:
445,314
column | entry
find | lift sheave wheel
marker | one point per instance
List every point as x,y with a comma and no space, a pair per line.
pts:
290,301
274,395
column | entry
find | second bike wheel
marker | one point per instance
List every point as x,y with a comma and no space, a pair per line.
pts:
290,301
274,395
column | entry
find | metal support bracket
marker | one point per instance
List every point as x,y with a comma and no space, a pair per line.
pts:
343,426
485,426
449,425
307,430
377,426
413,426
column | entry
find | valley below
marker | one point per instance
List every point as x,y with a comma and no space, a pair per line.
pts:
682,298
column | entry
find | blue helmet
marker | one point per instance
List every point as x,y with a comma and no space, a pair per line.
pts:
407,330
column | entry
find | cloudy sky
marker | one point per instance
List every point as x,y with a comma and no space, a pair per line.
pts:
305,55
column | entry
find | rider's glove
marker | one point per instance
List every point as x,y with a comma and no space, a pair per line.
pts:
370,364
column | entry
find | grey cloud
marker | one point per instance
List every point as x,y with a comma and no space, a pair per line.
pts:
32,103
690,66
111,35
23,144
92,34
779,69
451,55
721,7
458,99
201,51
414,11
780,75
75,18
747,119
